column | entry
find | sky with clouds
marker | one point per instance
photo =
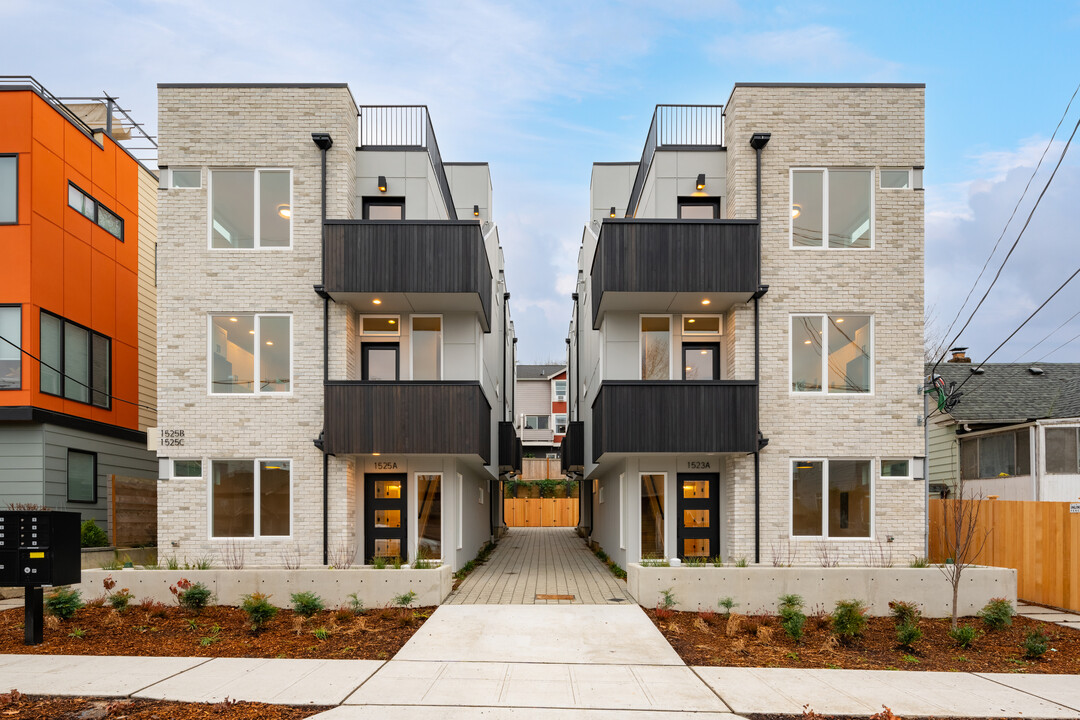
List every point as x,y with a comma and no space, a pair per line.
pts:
541,90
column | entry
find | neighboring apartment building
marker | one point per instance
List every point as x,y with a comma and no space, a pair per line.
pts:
77,304
746,380
336,345
541,408
1014,432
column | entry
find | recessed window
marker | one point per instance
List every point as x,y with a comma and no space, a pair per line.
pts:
242,343
652,516
537,422
187,468
655,347
701,324
95,212
379,361
559,391
250,498
560,423
380,325
834,348
701,361
82,477
429,520
184,179
10,342
896,179
250,208
1062,456
9,189
427,347
831,498
699,208
383,208
76,363
833,204
896,468
996,455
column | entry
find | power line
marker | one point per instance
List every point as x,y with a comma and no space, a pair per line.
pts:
93,391
1059,347
1046,337
1004,229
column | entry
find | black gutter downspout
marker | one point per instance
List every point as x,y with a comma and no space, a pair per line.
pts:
577,352
506,333
758,141
324,143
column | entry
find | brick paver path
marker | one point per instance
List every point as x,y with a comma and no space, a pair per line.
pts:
541,561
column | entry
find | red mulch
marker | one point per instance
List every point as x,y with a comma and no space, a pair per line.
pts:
218,631
22,707
701,639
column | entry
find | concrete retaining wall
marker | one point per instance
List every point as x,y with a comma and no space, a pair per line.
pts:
375,587
96,557
756,589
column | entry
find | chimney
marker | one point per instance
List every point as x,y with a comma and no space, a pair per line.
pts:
958,355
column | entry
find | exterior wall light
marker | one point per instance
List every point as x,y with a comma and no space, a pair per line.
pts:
612,214
382,183
476,210
701,181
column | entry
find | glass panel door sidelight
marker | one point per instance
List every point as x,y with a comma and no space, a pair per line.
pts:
701,361
698,515
385,517
379,361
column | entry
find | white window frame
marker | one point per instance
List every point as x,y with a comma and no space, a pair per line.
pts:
824,391
256,390
622,511
525,422
380,334
701,333
257,228
555,393
172,468
667,514
173,186
555,422
415,492
412,334
911,468
910,179
256,492
671,344
460,514
825,501
825,208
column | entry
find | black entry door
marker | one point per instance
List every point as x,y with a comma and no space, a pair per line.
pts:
385,516
698,508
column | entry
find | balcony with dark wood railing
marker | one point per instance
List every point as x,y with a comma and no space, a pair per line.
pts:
572,449
510,450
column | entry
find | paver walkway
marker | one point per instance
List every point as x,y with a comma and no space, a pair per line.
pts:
1059,617
532,562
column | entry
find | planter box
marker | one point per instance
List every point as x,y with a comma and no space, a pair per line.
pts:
375,587
756,589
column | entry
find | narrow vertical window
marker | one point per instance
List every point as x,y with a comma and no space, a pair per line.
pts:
10,344
52,341
807,217
76,363
232,220
275,208
82,477
849,498
232,498
655,348
652,516
9,189
849,208
806,498
274,361
275,511
806,339
429,527
427,348
100,370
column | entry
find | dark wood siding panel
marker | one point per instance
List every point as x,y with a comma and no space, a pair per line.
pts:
510,450
572,450
408,417
672,416
675,256
418,257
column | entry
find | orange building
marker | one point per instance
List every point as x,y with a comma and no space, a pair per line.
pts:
77,304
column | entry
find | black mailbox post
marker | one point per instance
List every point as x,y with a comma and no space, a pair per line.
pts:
38,548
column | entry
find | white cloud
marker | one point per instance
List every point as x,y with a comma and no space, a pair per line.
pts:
810,49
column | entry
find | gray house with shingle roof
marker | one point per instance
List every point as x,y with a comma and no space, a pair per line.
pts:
1014,432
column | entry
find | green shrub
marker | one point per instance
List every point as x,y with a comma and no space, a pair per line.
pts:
918,562
907,634
405,599
727,604
997,613
258,609
119,601
742,562
92,535
849,619
307,603
963,635
905,613
379,562
63,603
1035,644
792,617
668,600
356,604
189,595
321,633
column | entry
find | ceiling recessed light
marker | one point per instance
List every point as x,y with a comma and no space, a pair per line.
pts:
284,210
806,342
691,320
391,321
269,342
376,454
376,301
706,301
704,352
688,368
251,332
796,210
232,319
839,320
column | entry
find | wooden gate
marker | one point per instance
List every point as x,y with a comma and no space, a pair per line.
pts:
541,512
134,511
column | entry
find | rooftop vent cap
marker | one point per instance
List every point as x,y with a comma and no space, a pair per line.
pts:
978,370
959,355
1036,370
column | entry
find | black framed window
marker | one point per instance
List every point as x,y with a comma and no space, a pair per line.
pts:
701,361
95,212
82,477
9,189
76,362
380,362
699,208
10,344
384,208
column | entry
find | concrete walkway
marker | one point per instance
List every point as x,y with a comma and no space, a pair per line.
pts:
1058,617
541,566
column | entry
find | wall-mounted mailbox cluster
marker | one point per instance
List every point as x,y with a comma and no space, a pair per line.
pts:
39,548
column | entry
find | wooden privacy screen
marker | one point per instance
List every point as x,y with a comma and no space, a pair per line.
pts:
134,511
541,512
1040,540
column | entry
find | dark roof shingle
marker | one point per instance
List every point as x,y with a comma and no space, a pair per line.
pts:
537,372
1011,393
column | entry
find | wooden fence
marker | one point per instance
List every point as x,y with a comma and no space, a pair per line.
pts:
134,511
1040,540
541,512
540,468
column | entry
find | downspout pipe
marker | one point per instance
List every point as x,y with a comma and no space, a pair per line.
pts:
758,141
506,333
324,142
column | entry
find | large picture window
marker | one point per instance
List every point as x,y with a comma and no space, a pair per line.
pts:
655,347
76,363
429,525
652,515
82,477
10,344
833,348
240,344
831,498
1062,456
537,422
250,498
9,189
833,204
250,208
996,455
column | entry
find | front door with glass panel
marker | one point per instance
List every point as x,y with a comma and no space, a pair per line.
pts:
385,516
701,361
698,507
379,361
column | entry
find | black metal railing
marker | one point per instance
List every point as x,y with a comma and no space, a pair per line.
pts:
404,127
689,126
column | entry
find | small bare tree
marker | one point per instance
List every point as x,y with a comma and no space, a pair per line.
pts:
341,554
934,339
825,554
961,539
783,554
290,557
232,555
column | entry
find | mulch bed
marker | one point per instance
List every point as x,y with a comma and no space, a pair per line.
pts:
23,707
702,639
218,631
